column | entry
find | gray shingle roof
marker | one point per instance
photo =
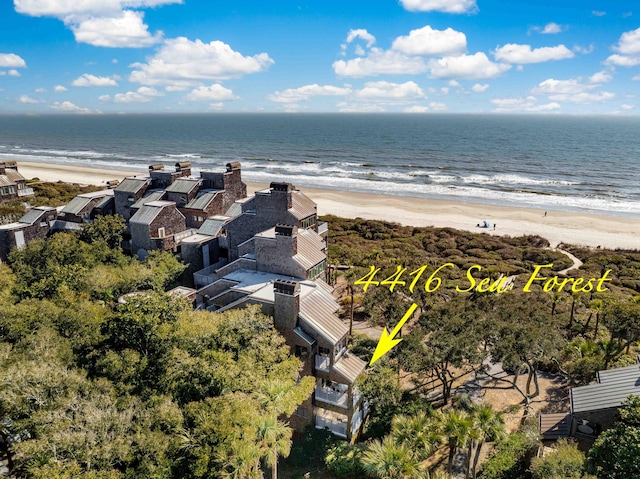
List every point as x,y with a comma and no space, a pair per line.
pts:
132,185
554,426
183,185
148,212
202,201
234,210
32,216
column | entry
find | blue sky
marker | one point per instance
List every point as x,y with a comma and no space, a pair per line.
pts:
420,56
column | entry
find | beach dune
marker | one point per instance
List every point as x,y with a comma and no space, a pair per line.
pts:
591,230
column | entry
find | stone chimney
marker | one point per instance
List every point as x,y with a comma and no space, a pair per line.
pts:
281,192
287,238
286,306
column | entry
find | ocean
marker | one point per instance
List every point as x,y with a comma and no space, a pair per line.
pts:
587,164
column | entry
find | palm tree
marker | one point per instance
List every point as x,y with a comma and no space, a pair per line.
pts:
387,459
419,433
488,426
241,460
274,438
456,426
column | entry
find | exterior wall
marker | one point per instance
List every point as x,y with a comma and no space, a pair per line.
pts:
215,207
38,230
85,214
193,255
276,256
124,200
145,236
182,199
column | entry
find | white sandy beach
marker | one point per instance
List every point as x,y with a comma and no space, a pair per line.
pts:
558,226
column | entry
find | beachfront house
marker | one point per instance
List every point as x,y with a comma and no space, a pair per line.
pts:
87,206
12,184
272,255
156,226
35,224
594,408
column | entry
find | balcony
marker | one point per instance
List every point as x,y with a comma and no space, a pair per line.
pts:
331,396
323,363
25,192
331,421
323,227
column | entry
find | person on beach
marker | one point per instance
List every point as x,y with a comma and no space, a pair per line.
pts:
494,226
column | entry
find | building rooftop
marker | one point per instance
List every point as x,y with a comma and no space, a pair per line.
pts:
132,185
349,366
148,212
35,214
616,386
183,185
76,205
155,195
202,200
212,226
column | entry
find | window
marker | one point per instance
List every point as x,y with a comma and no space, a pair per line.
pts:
302,412
301,352
161,232
324,351
317,270
308,222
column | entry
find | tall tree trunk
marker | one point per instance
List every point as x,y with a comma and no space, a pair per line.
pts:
7,452
467,473
351,313
573,310
274,468
595,331
476,458
585,328
452,453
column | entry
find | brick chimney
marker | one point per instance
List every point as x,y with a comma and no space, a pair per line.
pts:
286,306
281,192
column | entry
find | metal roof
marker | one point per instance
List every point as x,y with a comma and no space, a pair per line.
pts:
317,313
132,185
554,426
202,201
630,373
76,205
234,210
349,366
13,175
183,185
609,394
301,205
105,201
153,196
310,246
35,214
6,181
211,227
148,212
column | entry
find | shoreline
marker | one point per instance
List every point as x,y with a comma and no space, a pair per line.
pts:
557,226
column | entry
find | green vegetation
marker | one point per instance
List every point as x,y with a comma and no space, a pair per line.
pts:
94,389
565,462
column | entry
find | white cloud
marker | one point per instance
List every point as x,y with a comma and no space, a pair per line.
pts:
444,90
479,88
528,104
636,78
427,41
14,73
293,95
598,13
67,106
182,62
27,99
438,106
572,91
447,6
126,29
627,107
379,62
360,51
416,109
92,80
346,107
523,54
551,28
584,50
11,60
453,83
600,77
629,48
466,66
383,91
215,92
623,60
142,95
59,88
106,23
40,90
363,35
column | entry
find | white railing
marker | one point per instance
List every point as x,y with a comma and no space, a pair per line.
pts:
332,397
323,227
323,363
356,421
25,192
339,428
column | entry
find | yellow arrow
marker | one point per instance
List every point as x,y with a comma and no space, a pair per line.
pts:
386,342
